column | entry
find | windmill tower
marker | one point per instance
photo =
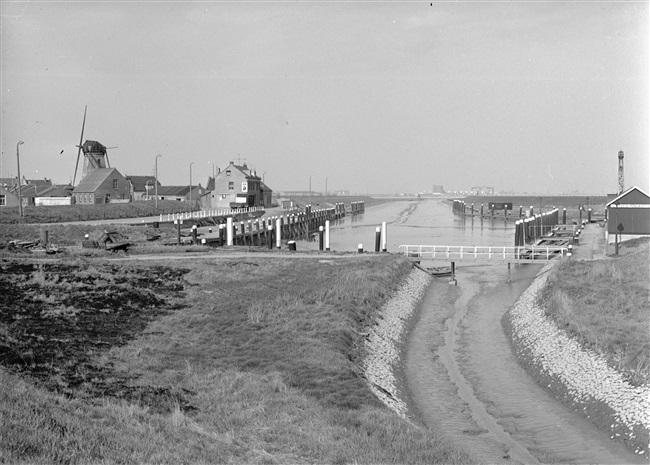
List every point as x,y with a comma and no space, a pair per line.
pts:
621,183
95,155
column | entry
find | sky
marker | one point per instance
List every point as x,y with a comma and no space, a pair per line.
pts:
369,97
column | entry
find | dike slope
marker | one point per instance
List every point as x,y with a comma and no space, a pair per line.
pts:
580,379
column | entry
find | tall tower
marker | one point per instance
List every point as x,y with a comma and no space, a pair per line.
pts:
94,156
621,183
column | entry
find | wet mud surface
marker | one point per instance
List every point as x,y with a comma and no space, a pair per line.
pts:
56,321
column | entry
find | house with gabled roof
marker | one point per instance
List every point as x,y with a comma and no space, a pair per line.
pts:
628,217
238,186
103,185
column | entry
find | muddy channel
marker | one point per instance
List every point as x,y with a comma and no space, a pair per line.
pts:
464,381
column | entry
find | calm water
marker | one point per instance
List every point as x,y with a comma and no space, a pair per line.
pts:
412,222
460,375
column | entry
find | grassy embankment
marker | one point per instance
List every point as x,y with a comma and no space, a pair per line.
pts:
604,304
70,213
261,364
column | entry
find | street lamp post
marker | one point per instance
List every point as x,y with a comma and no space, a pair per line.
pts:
191,185
326,186
20,194
310,189
156,182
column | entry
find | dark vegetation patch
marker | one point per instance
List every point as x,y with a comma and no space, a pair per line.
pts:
57,319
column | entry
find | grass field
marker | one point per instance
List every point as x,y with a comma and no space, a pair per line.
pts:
605,305
238,361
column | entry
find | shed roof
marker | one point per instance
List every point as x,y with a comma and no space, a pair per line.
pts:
633,195
57,191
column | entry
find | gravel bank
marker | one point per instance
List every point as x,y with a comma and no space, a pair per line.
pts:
383,339
581,379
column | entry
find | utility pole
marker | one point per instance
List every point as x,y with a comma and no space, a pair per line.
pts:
20,194
156,183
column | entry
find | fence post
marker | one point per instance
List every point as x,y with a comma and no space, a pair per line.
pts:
229,234
327,235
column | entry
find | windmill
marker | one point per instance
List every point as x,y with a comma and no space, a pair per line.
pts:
95,154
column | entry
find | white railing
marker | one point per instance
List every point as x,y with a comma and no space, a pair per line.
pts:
483,253
170,217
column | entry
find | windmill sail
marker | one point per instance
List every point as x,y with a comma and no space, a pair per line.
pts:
83,125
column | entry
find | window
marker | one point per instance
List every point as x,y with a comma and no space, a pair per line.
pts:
231,185
115,183
227,172
3,200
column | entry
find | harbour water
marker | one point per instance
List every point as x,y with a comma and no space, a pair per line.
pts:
459,375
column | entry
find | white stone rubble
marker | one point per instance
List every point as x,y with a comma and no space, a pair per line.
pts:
383,339
584,374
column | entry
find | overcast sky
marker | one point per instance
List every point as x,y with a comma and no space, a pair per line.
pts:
375,97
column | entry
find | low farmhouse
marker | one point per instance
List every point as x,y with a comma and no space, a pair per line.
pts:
29,190
143,187
628,217
55,195
102,185
180,193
